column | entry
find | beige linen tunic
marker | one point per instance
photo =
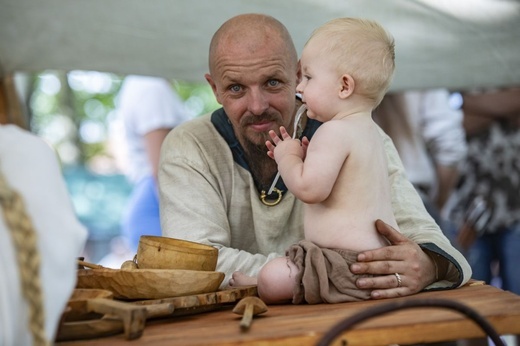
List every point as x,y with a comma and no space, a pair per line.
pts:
205,196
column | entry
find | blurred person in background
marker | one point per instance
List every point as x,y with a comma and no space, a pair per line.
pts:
486,202
430,139
149,108
40,239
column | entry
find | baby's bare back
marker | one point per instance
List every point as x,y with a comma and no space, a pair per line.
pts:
360,195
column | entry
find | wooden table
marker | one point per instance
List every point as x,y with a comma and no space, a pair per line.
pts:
306,324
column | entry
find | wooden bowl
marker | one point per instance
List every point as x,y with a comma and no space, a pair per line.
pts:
169,253
150,283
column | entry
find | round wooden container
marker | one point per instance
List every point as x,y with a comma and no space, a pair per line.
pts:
156,252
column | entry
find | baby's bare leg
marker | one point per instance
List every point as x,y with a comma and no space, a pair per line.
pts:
276,281
240,279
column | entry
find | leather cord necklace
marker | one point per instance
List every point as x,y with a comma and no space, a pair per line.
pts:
263,194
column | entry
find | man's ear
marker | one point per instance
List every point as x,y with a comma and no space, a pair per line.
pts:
213,86
347,86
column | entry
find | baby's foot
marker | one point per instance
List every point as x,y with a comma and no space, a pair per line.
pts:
240,279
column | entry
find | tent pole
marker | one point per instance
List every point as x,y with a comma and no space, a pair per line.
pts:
11,110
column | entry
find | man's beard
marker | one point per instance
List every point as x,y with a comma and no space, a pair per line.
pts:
262,167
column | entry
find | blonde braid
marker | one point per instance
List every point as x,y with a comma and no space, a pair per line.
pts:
27,255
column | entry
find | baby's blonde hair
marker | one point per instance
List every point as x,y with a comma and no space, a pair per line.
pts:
363,49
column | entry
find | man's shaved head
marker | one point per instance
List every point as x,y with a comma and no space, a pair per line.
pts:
249,32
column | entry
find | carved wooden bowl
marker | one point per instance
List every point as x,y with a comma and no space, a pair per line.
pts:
150,283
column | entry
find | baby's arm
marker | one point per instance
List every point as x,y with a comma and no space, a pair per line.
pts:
305,145
310,181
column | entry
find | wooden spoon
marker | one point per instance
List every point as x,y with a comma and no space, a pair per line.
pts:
248,307
90,265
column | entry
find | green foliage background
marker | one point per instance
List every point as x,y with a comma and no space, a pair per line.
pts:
64,111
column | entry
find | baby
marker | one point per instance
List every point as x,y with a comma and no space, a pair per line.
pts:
341,175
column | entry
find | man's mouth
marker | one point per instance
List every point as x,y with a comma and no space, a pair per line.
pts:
261,126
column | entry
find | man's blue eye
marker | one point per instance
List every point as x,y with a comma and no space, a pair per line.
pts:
235,88
273,82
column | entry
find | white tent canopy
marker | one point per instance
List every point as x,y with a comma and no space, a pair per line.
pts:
458,44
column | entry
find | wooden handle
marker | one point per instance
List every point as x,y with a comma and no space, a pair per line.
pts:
89,329
159,310
90,265
245,323
133,317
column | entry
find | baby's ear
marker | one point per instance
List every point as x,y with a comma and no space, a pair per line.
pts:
347,86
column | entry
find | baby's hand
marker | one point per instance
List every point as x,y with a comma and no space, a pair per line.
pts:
276,140
270,147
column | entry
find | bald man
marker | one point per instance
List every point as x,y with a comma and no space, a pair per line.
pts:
215,174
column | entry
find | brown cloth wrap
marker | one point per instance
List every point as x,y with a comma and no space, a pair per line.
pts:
324,275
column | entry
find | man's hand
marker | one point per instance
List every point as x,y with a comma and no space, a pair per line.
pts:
413,266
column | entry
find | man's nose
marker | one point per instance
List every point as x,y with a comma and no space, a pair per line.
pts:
258,102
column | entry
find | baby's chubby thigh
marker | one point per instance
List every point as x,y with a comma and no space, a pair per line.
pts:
276,280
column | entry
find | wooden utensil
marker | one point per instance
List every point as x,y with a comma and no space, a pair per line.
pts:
133,317
166,307
90,265
249,307
77,304
118,316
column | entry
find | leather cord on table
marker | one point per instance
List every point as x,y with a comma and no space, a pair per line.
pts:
379,310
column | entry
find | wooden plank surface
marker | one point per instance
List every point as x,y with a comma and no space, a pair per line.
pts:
306,324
